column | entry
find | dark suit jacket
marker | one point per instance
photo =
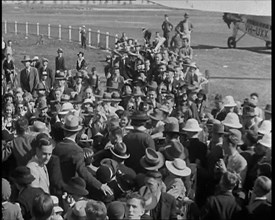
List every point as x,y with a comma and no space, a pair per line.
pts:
137,142
50,76
29,83
25,199
21,149
55,176
72,162
82,65
82,91
259,209
59,63
222,206
167,208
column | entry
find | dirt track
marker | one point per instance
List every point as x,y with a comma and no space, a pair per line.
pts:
209,39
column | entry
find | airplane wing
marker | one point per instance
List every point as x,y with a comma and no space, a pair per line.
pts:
247,7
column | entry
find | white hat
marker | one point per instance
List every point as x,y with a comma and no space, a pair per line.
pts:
66,108
265,127
229,101
56,207
192,125
266,140
232,120
178,167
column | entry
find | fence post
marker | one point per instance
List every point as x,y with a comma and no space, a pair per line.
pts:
79,34
37,29
107,40
98,38
116,38
59,33
70,33
90,37
6,31
207,76
49,31
15,27
27,29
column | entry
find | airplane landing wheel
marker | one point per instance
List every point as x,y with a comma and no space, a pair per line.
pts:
231,42
268,44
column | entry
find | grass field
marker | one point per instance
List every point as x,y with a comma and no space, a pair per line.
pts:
209,39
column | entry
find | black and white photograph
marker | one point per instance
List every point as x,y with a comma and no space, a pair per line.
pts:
136,109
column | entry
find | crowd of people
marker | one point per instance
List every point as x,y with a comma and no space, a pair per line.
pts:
146,145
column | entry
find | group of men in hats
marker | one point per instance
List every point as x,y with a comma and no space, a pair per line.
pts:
148,140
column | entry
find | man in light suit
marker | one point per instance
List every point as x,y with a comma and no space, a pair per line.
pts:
29,77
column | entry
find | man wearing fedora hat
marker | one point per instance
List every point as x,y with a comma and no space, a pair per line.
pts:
219,111
48,70
22,178
249,119
29,77
137,140
72,156
233,160
59,61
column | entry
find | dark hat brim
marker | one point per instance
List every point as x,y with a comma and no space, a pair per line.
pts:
76,190
27,180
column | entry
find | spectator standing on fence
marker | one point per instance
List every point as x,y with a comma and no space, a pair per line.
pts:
59,61
185,27
167,27
83,37
29,78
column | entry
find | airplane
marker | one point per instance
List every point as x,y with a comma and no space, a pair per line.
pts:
252,17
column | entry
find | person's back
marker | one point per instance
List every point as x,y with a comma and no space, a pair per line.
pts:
65,151
223,205
136,142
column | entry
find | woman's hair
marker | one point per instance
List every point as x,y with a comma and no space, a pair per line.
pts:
42,139
42,206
